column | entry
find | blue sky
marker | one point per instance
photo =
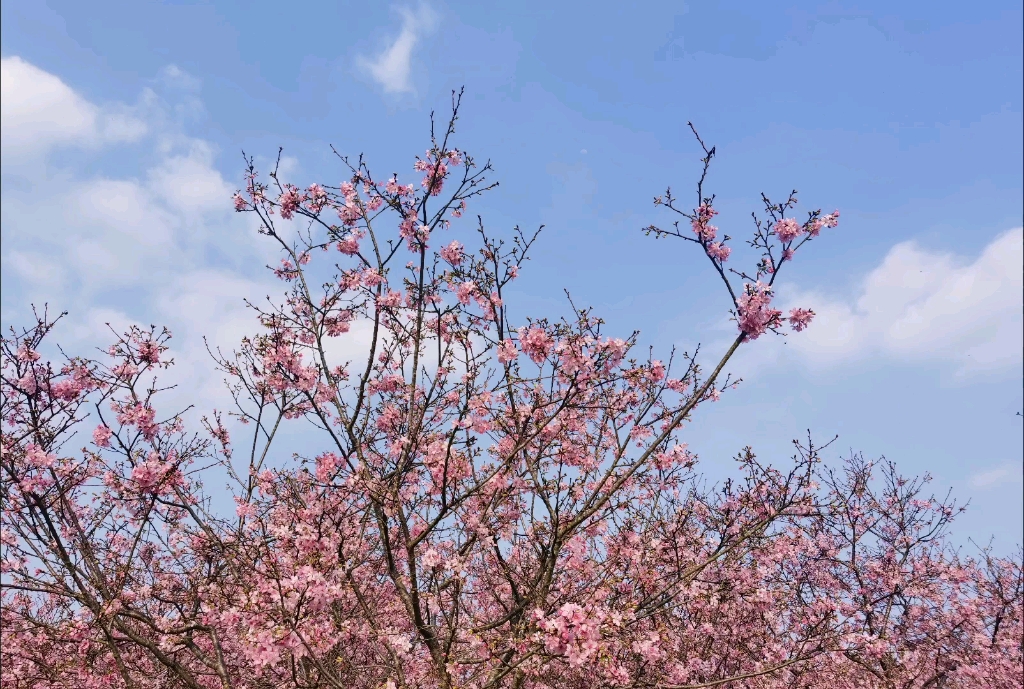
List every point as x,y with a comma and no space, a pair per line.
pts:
123,125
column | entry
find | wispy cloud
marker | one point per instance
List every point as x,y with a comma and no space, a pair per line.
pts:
392,67
157,243
1007,474
919,305
38,112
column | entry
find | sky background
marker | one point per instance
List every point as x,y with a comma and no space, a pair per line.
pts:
123,126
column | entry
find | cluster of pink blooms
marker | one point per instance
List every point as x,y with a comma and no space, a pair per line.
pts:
466,516
152,473
719,251
800,318
435,168
777,241
536,343
787,229
701,223
452,253
756,315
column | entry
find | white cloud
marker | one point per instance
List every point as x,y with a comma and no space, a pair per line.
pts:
189,181
162,246
1007,474
175,76
158,246
71,233
38,112
100,232
392,68
920,305
207,306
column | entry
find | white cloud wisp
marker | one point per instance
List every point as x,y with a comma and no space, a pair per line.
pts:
160,244
38,112
919,305
392,67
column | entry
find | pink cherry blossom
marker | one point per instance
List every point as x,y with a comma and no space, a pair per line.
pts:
755,315
101,436
718,252
452,253
787,230
289,202
507,351
466,291
536,343
800,318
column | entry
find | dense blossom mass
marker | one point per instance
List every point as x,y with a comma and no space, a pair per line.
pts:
492,503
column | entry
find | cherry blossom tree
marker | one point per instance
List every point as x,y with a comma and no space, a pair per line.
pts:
492,502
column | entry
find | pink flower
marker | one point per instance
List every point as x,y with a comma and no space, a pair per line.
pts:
101,436
125,371
830,220
28,383
507,351
289,202
452,253
349,245
639,433
149,474
392,298
371,278
286,271
800,318
412,232
239,202
317,197
67,389
466,291
679,385
433,180
536,343
149,352
677,455
755,314
787,230
719,252
701,226
326,466
705,231
616,349
140,416
431,558
38,458
26,354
